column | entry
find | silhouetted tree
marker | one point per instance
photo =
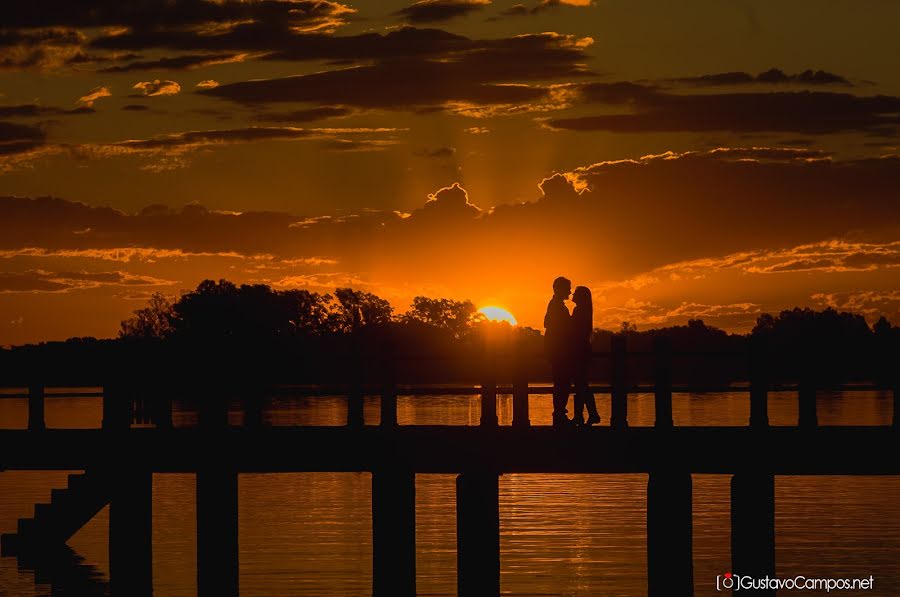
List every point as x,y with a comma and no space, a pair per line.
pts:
628,327
356,309
153,321
457,317
826,344
250,311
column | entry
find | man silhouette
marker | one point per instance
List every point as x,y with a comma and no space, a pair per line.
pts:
557,341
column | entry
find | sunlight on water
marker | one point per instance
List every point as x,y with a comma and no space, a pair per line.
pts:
569,535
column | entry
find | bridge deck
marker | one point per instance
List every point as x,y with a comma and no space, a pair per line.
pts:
446,449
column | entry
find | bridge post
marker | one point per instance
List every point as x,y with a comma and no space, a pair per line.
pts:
662,381
670,566
489,388
393,533
753,526
388,393
520,386
759,387
162,415
213,408
478,534
131,533
253,397
116,406
807,398
355,416
217,531
619,383
896,420
36,420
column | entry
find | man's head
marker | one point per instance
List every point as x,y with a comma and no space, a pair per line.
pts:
562,287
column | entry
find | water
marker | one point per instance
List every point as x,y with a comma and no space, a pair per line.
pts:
569,535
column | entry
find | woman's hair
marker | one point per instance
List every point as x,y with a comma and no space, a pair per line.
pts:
582,296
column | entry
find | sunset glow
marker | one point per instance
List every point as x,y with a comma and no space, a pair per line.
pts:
390,146
498,314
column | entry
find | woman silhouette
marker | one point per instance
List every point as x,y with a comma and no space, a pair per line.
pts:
582,329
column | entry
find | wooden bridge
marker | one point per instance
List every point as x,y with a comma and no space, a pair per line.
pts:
119,460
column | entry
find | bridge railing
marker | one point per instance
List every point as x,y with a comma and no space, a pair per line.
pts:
143,401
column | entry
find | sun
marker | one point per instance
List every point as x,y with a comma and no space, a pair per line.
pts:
498,314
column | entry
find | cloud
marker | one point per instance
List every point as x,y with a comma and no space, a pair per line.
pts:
651,109
505,71
95,94
520,10
24,144
448,203
185,62
306,115
46,281
157,88
41,49
36,111
433,11
436,152
771,76
19,138
135,108
208,84
154,14
55,33
477,130
872,303
669,216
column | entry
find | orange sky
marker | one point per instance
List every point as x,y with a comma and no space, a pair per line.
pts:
715,160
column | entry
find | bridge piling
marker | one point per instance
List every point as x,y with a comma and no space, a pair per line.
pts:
520,386
807,398
36,420
489,389
670,568
662,352
355,414
217,531
131,533
388,393
619,414
478,534
393,533
753,526
116,406
759,390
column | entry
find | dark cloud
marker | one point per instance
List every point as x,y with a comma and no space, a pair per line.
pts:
520,10
38,111
307,115
135,108
478,74
625,217
771,76
44,281
38,49
397,85
806,112
19,138
436,152
147,14
434,11
186,62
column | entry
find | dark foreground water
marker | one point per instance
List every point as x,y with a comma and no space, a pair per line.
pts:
310,534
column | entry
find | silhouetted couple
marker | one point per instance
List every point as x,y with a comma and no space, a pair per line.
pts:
567,343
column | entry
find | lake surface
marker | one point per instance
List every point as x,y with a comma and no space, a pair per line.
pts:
309,534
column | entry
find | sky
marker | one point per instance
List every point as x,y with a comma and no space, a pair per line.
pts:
703,159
